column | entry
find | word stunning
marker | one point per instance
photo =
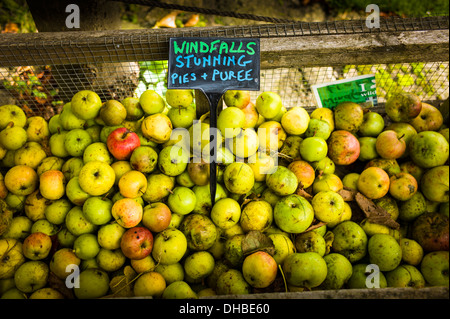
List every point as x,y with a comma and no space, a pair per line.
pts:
221,62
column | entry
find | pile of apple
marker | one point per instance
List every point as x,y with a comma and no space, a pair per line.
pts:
113,199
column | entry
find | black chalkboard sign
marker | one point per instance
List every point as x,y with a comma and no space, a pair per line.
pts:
214,65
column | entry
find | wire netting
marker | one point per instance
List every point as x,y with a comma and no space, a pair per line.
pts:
40,74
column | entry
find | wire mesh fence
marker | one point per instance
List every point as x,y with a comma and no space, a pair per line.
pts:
40,72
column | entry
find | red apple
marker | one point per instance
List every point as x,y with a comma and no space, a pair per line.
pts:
390,145
121,142
343,147
430,230
137,243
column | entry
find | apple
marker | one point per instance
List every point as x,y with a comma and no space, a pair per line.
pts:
226,213
405,276
69,120
390,166
328,206
176,98
244,144
173,160
230,121
261,164
324,114
75,193
232,282
304,172
121,142
434,268
77,224
179,290
403,129
133,108
348,116
76,141
343,147
239,178
19,228
52,184
35,205
13,137
268,104
44,226
350,240
313,149
429,149
350,180
49,163
402,186
198,266
384,251
367,148
132,184
157,128
36,246
96,178
360,274
412,252
109,235
12,113
373,182
21,180
31,276
159,187
390,145
86,246
110,260
271,136
127,212
251,115
293,214
307,270
372,125
403,107
412,168
113,113
412,208
283,246
237,98
144,159
182,117
430,230
72,167
61,259
295,121
86,104
233,254
97,210
65,238
198,172
256,215
310,241
31,154
339,271
259,269
93,284
327,182
182,200
429,119
54,124
169,246
156,217
435,184
137,243
12,257
317,127
324,166
199,230
150,284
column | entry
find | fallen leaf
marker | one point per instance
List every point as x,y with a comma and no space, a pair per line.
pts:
257,241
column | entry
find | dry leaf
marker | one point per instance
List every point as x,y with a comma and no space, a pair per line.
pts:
329,238
347,194
257,241
374,213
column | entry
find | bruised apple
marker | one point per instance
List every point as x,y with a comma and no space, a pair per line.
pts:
430,230
403,107
343,147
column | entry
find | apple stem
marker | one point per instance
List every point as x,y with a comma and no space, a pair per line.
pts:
401,137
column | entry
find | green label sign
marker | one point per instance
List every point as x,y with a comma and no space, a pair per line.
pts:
360,89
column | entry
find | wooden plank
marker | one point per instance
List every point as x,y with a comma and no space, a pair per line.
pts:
321,44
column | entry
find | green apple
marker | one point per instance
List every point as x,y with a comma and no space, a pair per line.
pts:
169,246
307,270
293,214
173,160
339,271
237,98
372,125
310,241
230,121
96,178
233,254
144,159
226,213
14,293
65,237
282,181
182,117
324,166
319,128
86,246
232,282
435,184
56,212
363,274
434,268
283,246
56,142
19,228
313,149
86,104
295,121
97,210
268,104
76,141
367,148
384,251
54,124
405,276
412,208
12,257
31,276
179,290
12,113
113,113
429,149
239,178
77,224
176,98
93,283
133,108
71,167
75,193
69,120
97,151
37,129
350,180
171,272
198,265
199,231
50,163
203,194
350,240
109,236
13,137
44,226
159,187
182,200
